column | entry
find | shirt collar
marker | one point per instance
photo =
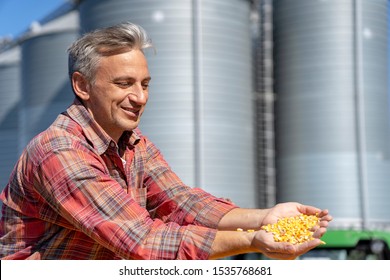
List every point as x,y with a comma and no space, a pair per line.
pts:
99,139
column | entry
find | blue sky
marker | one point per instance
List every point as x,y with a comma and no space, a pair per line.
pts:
17,15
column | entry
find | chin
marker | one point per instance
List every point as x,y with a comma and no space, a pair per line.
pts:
132,126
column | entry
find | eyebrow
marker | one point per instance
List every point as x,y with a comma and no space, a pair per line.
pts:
121,78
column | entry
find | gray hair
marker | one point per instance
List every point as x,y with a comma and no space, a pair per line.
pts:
85,53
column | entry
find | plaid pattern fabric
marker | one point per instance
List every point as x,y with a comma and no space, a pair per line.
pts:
71,197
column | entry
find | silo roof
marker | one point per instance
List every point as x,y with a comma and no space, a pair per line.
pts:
10,56
69,21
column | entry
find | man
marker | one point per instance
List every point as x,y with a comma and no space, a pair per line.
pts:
92,186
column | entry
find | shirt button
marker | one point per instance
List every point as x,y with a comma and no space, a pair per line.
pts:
112,144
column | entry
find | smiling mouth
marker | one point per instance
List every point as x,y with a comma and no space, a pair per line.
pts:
131,111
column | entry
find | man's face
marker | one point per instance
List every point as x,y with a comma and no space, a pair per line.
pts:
118,97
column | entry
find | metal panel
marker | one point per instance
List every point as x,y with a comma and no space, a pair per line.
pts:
375,73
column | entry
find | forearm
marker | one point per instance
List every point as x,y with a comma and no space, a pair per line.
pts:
230,243
242,218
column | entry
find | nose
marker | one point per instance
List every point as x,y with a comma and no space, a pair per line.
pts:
138,95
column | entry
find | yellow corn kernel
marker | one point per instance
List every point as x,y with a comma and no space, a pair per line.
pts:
295,230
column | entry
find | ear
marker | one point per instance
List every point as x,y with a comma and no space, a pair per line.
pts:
80,86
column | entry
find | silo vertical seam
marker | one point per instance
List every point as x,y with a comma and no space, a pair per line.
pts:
360,112
198,91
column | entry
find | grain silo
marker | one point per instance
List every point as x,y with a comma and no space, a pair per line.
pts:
46,90
332,109
200,111
9,109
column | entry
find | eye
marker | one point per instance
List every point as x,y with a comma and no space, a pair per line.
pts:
122,84
145,83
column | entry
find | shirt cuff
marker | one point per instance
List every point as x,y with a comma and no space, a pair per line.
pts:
196,243
213,211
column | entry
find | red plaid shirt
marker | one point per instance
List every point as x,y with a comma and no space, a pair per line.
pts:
71,197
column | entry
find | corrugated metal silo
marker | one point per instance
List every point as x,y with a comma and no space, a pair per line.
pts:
200,111
9,109
331,73
46,91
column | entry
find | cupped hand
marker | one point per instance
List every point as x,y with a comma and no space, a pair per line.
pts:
264,243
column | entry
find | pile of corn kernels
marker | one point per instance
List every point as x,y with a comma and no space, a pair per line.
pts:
295,230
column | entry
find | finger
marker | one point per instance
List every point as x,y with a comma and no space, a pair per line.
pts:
319,233
323,224
309,210
307,246
323,213
327,218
